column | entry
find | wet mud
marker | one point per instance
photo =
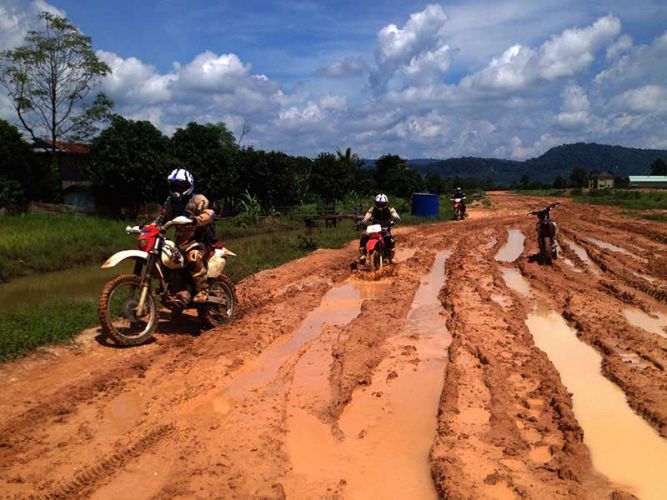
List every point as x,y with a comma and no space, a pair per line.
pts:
435,378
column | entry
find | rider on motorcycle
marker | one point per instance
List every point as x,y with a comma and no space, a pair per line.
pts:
192,240
381,213
460,195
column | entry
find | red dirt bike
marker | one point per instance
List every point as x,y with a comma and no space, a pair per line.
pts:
459,208
377,247
128,308
546,234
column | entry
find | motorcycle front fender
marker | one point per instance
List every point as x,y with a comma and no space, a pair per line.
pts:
371,244
118,257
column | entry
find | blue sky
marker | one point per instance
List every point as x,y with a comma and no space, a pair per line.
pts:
505,78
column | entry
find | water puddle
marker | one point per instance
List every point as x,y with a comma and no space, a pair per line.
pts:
647,277
583,255
571,264
640,319
623,446
515,280
403,254
387,430
339,306
613,248
513,248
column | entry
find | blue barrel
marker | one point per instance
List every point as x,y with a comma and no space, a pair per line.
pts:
425,205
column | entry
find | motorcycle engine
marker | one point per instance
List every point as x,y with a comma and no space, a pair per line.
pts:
171,256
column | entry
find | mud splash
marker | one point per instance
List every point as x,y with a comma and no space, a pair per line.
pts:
387,426
638,318
583,255
623,446
513,248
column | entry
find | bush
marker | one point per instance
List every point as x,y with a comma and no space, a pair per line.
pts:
12,196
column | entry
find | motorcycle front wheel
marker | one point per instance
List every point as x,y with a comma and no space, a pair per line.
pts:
117,311
222,311
375,260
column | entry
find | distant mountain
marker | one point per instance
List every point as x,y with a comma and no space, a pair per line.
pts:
560,160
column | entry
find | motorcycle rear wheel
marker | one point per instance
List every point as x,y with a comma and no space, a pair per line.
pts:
116,310
216,315
547,256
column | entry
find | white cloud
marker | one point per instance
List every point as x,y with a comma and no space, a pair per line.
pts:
419,47
575,108
18,17
648,99
639,63
561,56
345,67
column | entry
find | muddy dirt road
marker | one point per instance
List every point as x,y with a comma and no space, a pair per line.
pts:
469,371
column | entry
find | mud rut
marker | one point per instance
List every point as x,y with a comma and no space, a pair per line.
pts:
425,383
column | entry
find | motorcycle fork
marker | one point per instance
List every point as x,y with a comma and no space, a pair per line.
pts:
145,283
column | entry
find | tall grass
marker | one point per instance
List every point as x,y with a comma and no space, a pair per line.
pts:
625,198
39,243
55,321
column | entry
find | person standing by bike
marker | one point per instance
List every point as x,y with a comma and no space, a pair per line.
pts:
381,213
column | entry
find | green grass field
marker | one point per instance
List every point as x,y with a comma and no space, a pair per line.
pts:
625,198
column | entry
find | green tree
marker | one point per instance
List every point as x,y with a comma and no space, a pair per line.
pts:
129,164
48,80
659,167
578,177
273,177
15,155
382,167
402,180
559,182
333,176
434,183
209,152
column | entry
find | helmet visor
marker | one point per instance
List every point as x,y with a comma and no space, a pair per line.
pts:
179,186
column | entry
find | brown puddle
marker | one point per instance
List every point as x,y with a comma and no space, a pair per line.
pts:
640,319
513,248
571,264
339,306
623,446
613,248
387,430
583,255
516,281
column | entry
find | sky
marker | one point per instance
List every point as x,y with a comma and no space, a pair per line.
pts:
499,78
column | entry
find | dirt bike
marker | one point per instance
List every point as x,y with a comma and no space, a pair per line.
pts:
128,308
378,251
459,208
546,233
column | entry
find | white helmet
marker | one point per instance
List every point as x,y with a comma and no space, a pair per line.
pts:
381,200
181,183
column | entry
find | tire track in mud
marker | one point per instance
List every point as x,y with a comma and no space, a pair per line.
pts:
506,428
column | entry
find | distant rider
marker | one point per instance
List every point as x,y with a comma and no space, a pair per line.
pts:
192,240
461,195
381,213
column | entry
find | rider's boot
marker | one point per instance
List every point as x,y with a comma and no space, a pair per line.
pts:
201,285
362,255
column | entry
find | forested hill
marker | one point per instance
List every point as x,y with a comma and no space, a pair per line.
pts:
560,160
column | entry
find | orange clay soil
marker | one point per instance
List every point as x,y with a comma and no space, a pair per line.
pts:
425,382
